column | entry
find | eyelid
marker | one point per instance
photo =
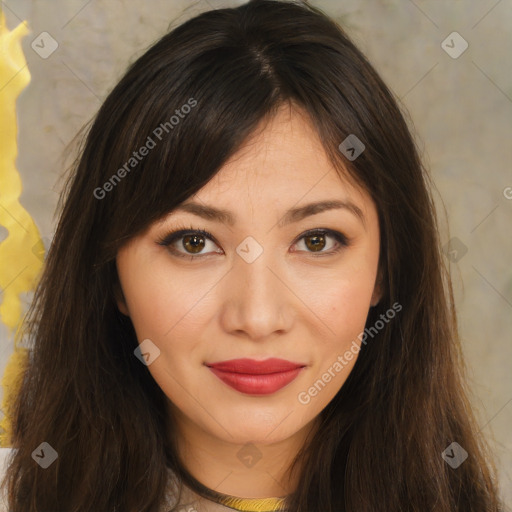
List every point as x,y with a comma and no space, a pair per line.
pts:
181,231
342,240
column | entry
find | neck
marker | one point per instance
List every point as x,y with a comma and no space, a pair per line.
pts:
248,470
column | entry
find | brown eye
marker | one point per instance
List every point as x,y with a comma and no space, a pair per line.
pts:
193,243
315,242
188,243
322,241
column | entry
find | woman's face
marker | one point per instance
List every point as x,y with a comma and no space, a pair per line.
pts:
261,287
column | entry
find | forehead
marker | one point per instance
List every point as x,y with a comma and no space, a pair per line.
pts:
282,162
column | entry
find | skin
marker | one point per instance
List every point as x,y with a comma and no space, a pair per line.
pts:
289,303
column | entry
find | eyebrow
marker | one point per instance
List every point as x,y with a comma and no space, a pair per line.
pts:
292,215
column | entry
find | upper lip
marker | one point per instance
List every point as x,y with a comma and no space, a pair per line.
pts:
251,366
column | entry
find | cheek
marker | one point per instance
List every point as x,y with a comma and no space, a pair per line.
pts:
158,300
163,310
346,312
343,307
149,305
344,299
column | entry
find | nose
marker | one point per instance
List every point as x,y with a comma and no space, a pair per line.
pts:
257,302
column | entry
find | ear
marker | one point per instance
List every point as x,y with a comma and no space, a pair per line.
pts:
378,290
121,301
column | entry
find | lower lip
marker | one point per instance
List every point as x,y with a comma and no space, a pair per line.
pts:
256,384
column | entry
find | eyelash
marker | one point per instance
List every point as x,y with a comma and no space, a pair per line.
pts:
168,239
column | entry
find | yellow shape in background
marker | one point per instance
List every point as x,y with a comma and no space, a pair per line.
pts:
21,252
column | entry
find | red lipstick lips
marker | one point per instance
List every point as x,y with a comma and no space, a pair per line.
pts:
256,377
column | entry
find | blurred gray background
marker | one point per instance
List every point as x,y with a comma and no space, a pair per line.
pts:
460,105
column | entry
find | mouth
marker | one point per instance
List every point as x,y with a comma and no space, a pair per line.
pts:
254,377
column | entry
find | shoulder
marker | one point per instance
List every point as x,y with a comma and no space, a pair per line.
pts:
5,454
172,490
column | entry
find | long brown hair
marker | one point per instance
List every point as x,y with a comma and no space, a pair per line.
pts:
380,439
